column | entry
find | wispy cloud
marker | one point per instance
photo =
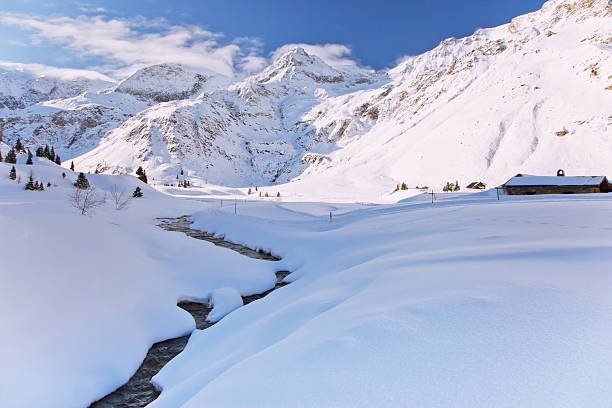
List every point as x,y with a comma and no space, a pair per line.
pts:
126,43
122,45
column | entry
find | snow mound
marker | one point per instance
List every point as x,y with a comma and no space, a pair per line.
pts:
224,301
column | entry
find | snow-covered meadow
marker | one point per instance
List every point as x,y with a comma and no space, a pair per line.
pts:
84,297
469,301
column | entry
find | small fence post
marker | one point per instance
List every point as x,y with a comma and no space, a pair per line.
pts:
432,196
497,189
234,206
330,217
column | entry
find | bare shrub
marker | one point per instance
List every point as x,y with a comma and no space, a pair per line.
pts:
85,200
120,199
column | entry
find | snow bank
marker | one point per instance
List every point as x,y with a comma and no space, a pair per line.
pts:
467,302
83,298
224,301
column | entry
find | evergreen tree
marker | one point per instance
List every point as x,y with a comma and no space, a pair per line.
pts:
39,151
72,166
0,156
249,191
57,160
29,161
13,173
11,157
142,175
143,178
137,193
52,154
47,152
30,184
404,186
278,194
82,182
19,146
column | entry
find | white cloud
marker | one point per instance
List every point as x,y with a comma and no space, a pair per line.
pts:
126,43
332,54
120,46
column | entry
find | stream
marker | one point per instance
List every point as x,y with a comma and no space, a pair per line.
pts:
138,391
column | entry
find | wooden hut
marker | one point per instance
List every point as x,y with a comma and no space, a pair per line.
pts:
477,185
525,184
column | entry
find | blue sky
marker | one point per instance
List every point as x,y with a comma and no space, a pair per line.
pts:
235,36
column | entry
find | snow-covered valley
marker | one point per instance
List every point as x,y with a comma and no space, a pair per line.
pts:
353,292
468,301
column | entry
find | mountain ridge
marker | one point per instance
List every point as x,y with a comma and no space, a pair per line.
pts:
481,107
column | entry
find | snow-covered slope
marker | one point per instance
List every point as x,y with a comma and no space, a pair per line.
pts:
467,302
530,96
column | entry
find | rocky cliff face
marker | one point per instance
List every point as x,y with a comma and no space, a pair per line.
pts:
532,95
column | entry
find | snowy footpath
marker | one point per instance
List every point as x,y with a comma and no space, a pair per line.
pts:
467,302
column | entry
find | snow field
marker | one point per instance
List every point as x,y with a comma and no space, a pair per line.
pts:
83,298
467,302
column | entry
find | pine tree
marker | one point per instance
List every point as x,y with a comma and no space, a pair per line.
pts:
47,152
30,184
404,186
19,146
278,194
82,182
39,151
11,157
57,160
13,173
71,166
137,193
29,161
0,156
249,193
52,154
142,175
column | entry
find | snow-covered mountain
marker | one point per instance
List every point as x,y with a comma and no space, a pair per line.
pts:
532,95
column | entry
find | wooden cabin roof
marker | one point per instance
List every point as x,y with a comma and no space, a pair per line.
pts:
528,180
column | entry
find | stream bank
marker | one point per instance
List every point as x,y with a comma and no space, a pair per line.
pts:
138,391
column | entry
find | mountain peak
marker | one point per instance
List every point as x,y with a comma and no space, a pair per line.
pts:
163,82
296,64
